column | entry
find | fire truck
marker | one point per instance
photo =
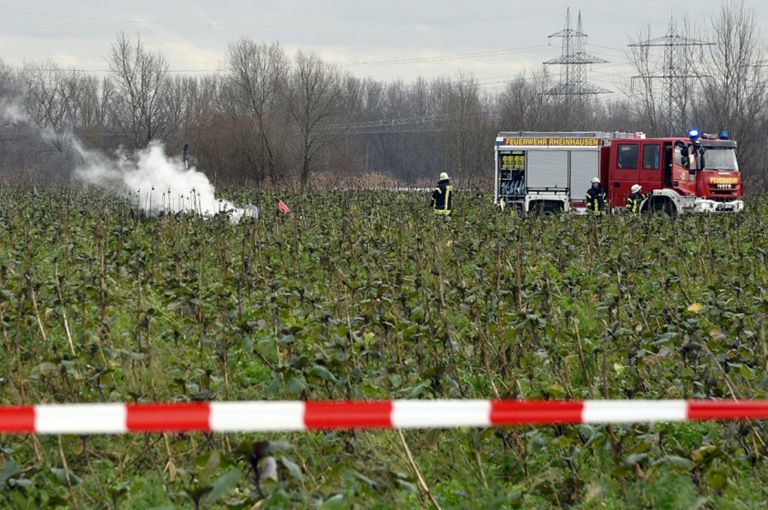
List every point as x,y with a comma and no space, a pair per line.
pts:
552,171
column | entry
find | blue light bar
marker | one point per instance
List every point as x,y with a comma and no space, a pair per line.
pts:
724,134
694,134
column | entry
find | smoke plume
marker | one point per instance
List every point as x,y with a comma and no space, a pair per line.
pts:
157,182
12,111
153,181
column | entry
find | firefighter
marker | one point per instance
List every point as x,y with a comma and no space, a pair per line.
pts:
442,197
635,199
596,203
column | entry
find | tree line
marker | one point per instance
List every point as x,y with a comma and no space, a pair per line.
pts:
273,119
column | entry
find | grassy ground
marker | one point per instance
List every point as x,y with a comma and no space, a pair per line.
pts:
367,296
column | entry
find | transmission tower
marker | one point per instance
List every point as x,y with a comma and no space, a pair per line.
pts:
675,65
574,59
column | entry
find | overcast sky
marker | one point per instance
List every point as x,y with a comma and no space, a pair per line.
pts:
386,39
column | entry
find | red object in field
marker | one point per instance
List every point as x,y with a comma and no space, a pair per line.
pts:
283,207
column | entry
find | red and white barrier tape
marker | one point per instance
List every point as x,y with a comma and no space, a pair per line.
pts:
273,416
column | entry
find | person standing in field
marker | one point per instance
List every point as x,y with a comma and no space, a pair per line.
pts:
635,199
442,196
596,203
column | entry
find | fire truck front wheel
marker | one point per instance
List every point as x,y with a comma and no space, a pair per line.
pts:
661,205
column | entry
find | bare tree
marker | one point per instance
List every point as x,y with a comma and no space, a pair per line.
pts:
258,77
93,112
11,137
643,91
140,79
465,119
524,105
49,99
735,88
315,102
668,70
8,81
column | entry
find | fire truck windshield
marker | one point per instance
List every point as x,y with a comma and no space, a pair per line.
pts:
720,158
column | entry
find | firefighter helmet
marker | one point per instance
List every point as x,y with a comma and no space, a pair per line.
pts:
636,188
444,177
595,180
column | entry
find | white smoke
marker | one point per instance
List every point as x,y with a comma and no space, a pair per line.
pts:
154,181
11,110
157,182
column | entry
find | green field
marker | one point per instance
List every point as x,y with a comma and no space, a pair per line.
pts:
365,295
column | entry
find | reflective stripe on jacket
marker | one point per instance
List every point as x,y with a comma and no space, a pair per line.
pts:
633,202
442,198
596,200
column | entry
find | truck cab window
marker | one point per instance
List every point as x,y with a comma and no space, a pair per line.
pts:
627,156
651,157
717,158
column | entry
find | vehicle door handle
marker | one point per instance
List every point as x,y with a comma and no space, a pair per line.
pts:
616,184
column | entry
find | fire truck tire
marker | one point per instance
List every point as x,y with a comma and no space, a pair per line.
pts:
659,205
670,209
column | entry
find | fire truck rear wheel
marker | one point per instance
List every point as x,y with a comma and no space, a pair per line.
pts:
546,207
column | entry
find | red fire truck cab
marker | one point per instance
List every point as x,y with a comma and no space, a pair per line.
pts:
678,175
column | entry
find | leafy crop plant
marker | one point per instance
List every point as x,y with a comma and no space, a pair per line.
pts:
366,295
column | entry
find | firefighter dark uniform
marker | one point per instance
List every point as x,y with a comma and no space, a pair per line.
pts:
596,200
442,197
633,202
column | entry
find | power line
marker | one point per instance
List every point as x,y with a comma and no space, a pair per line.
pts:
609,49
649,21
675,67
454,56
573,78
215,24
88,71
402,61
